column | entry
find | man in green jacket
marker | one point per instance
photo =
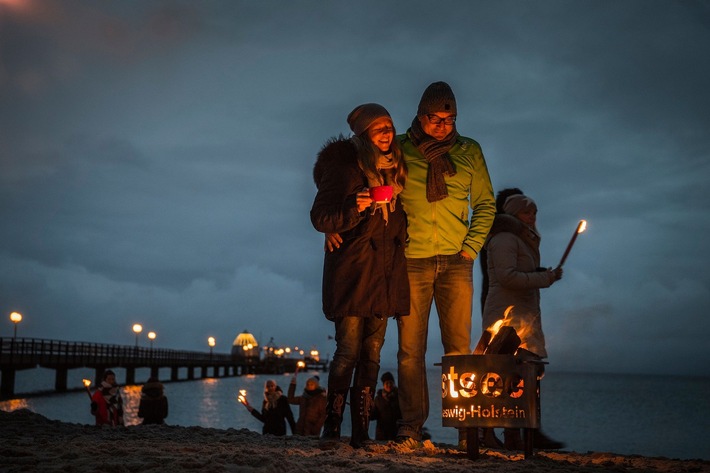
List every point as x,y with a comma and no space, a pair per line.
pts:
450,208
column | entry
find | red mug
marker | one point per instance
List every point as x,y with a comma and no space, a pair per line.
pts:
381,194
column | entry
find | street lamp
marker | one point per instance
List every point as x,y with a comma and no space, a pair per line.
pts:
151,336
16,317
137,328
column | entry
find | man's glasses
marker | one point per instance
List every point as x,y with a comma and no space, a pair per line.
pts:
437,120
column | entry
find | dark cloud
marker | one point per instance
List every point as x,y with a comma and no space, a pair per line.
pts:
156,160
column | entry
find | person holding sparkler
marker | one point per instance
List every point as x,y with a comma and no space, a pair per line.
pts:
311,405
275,411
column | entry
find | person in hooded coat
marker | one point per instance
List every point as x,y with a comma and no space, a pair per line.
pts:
515,279
153,406
311,406
365,277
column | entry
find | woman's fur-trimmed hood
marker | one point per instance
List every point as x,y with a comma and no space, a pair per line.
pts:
336,153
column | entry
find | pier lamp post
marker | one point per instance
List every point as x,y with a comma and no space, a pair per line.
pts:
16,318
151,337
137,328
211,342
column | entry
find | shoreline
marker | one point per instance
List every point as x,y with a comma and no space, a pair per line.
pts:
31,442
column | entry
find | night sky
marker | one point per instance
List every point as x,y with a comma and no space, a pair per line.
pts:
156,160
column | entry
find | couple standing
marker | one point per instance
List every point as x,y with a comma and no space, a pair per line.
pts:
393,259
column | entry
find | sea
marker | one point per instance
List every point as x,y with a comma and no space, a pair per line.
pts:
653,416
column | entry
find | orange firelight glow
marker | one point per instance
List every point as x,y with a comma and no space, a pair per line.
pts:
242,397
498,324
86,382
301,364
582,226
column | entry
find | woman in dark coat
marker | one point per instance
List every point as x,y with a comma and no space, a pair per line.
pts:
153,407
365,278
275,411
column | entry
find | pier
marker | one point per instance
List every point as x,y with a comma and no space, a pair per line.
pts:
61,356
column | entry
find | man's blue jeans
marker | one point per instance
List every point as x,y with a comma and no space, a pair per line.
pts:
358,344
448,281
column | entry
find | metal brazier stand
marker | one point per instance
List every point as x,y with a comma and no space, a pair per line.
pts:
486,391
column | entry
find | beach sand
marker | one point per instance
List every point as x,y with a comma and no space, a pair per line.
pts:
30,442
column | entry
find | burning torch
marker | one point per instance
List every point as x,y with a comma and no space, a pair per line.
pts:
581,226
87,384
300,365
242,397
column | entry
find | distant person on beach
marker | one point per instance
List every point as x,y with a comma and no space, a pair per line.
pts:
275,411
153,406
386,410
515,280
106,402
365,276
311,406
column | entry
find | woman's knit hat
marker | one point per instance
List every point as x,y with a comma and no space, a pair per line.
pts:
387,376
437,98
516,203
365,115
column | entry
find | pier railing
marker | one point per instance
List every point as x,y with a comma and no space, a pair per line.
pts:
24,353
28,353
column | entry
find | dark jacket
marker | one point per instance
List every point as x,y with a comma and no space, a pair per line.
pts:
153,407
311,413
386,412
275,419
367,275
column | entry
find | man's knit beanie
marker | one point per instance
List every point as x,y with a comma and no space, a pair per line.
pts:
365,115
437,98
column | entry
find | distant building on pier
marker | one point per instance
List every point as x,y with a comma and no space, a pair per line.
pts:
245,347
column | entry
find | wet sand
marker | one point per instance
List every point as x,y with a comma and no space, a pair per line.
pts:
30,442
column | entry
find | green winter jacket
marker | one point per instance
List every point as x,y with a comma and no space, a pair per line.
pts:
459,222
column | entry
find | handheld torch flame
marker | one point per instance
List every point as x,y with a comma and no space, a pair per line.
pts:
581,226
242,396
301,364
87,383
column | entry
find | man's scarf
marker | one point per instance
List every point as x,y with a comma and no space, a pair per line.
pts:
437,154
